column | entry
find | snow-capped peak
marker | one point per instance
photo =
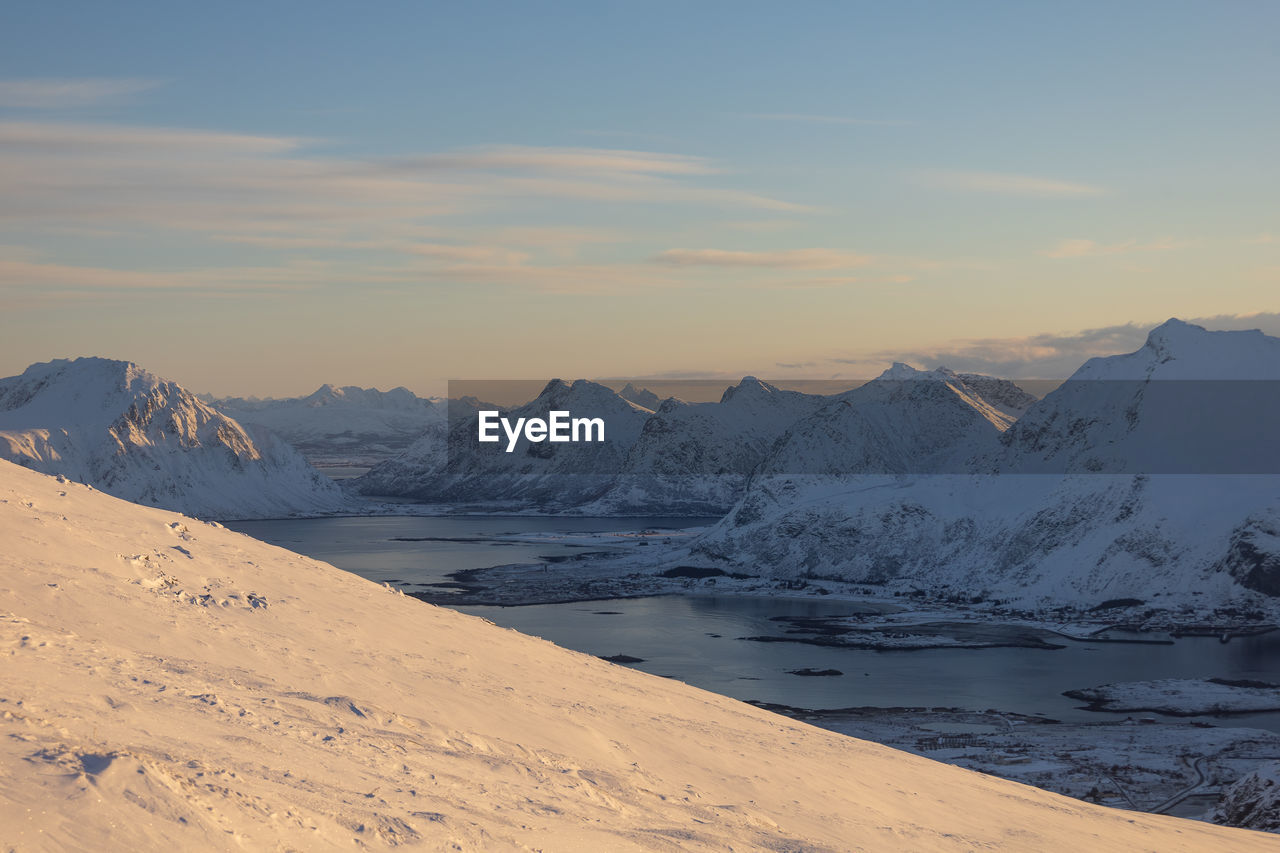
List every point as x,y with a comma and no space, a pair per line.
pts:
902,371
554,386
135,435
749,387
640,396
1177,350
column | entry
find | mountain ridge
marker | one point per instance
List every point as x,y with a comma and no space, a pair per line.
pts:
119,427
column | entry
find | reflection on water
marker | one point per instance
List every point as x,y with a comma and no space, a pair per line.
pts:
694,638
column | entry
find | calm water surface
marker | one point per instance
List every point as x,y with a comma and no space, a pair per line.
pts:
694,638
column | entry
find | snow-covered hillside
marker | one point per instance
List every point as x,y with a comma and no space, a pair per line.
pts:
1033,524
640,396
134,435
171,685
904,421
1189,401
727,437
682,459
694,458
341,426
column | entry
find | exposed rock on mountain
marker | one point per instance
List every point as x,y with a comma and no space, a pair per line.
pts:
117,427
1253,802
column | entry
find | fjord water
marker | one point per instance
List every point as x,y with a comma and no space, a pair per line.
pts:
695,638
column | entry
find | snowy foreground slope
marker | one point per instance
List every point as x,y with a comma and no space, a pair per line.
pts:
168,684
146,439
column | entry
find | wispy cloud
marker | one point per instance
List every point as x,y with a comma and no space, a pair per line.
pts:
55,279
835,281
564,278
999,183
808,118
760,225
486,255
572,160
49,93
78,141
1094,249
662,138
175,178
794,259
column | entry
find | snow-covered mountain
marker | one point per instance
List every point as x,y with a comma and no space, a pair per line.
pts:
535,475
731,436
1189,401
904,421
117,427
341,426
682,459
171,685
694,458
640,396
1031,522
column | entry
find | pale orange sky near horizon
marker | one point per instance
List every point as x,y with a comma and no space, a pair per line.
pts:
581,191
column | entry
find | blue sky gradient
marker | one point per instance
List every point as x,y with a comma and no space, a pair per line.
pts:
257,198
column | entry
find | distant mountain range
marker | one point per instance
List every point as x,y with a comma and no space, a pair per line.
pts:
1122,483
341,426
1153,475
688,458
451,466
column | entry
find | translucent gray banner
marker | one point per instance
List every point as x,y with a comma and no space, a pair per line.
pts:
934,424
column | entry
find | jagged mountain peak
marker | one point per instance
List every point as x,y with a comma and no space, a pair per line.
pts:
1178,350
749,388
1173,335
123,372
353,395
138,436
66,393
558,392
901,370
554,386
640,396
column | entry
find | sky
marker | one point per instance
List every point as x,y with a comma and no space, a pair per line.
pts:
257,198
